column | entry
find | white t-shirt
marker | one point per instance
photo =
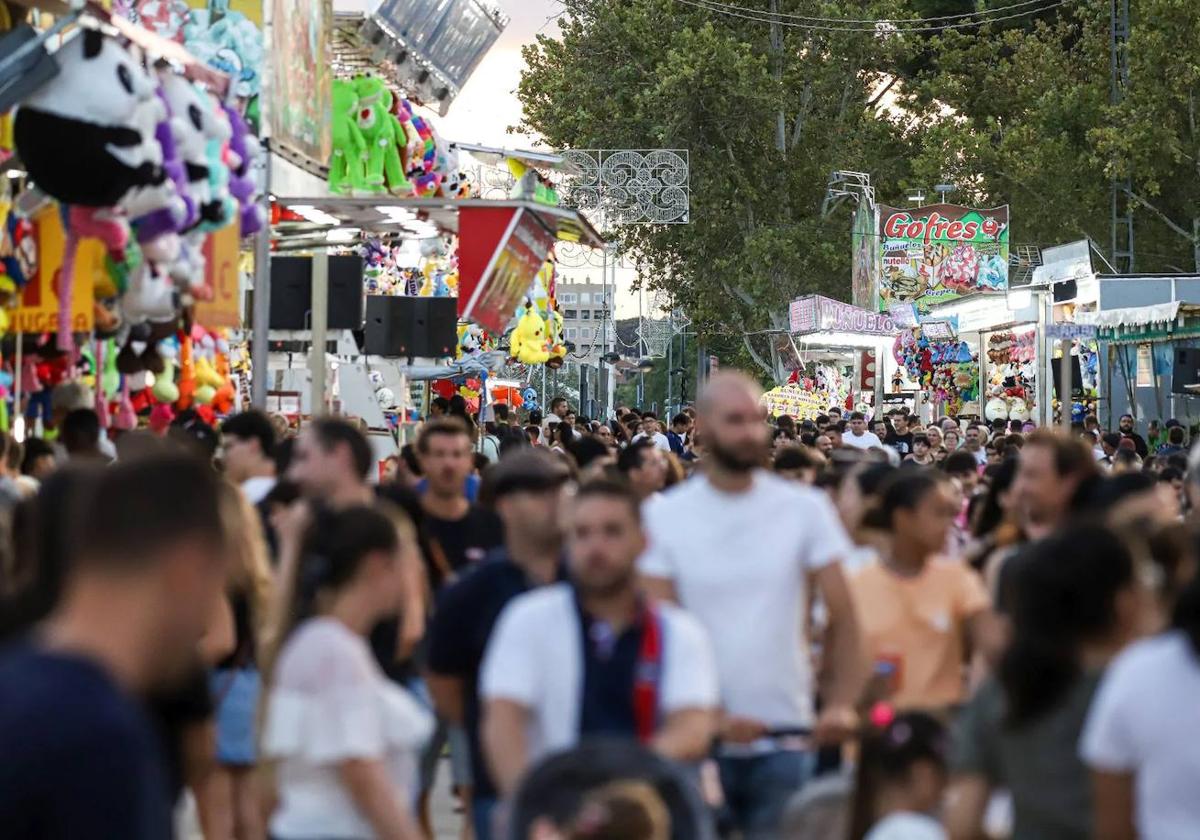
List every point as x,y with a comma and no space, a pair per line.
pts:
331,703
1145,720
256,489
659,440
739,563
535,658
906,825
867,440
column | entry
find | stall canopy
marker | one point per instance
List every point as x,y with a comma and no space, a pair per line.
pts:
1136,324
816,319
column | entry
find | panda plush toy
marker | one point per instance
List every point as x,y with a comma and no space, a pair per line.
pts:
80,135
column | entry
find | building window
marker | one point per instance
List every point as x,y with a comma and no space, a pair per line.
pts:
599,315
571,313
585,297
568,297
571,333
585,314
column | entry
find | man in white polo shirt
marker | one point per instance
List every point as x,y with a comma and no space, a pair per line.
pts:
736,547
593,657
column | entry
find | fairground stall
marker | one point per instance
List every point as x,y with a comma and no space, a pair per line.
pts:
132,176
941,272
834,350
1148,329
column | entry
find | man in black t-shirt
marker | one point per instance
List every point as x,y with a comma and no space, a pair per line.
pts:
147,568
459,533
902,438
527,489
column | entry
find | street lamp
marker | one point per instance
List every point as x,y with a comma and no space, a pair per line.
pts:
645,365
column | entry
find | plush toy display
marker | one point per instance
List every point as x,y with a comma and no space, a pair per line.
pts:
527,343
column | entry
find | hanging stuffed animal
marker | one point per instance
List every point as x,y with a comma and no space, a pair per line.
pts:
528,341
78,133
529,399
82,139
347,165
243,183
382,134
157,232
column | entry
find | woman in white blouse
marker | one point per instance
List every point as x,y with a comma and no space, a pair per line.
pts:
343,739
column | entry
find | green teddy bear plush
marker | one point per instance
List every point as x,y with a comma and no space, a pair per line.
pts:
347,172
383,134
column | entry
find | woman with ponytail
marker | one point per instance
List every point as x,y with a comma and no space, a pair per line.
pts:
344,739
1142,734
1074,605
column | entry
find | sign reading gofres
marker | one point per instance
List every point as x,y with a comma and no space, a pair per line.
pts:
940,252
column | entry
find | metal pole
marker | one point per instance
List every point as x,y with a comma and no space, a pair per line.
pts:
1064,392
670,367
604,313
18,419
261,316
320,328
701,357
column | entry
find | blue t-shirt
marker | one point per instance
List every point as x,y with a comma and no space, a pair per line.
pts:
78,757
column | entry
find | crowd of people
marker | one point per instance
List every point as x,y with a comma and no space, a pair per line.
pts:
641,628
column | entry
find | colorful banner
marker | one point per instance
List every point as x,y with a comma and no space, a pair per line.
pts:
864,244
941,252
500,251
301,102
795,401
38,312
221,268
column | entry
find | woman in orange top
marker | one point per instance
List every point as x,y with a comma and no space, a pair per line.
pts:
920,613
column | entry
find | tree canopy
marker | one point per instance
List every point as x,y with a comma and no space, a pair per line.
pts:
1013,112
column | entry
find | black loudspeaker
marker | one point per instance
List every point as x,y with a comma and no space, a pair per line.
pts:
1076,376
1185,370
291,293
410,327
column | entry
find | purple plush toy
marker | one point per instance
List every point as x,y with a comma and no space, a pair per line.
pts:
154,226
242,184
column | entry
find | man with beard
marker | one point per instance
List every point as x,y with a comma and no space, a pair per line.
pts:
736,547
594,657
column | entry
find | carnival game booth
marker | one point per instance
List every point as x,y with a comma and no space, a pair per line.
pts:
1148,330
983,357
839,350
132,178
479,303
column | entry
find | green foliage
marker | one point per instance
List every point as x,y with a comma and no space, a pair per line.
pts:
1016,112
1023,116
655,74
